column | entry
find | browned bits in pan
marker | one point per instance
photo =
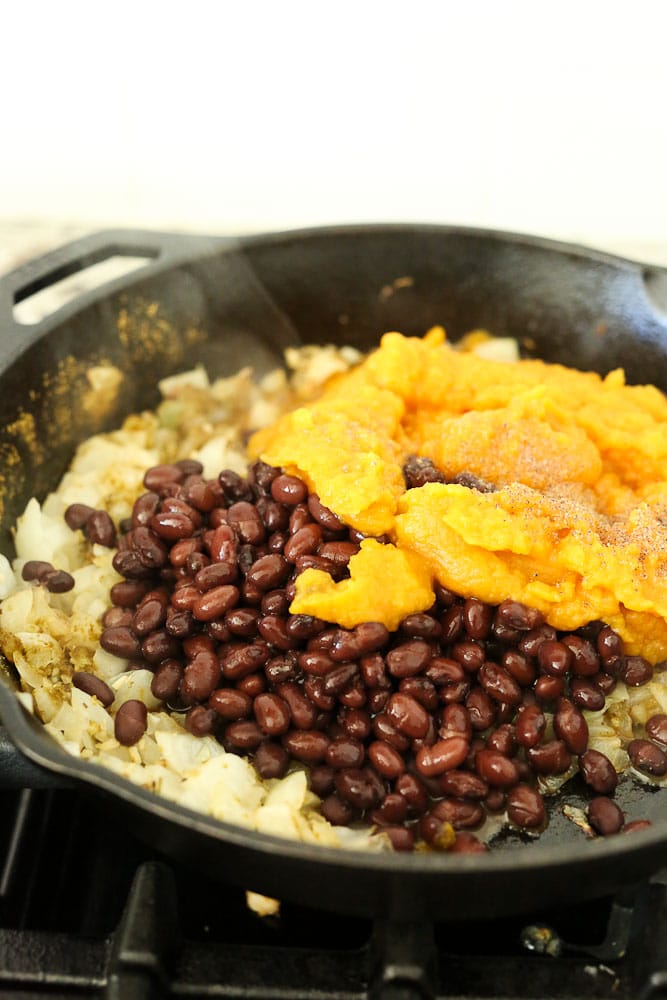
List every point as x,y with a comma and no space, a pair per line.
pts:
421,732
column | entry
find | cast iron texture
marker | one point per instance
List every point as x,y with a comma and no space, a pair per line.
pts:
233,302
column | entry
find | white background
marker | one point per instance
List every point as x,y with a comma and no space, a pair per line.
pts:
226,117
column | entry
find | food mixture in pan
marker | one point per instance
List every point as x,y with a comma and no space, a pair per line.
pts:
428,590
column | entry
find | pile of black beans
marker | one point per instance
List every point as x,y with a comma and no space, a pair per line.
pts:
423,732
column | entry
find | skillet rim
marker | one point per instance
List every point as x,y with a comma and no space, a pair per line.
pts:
42,749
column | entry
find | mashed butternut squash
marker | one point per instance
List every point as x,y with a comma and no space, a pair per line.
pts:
576,526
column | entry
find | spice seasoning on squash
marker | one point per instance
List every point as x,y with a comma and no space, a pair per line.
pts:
574,527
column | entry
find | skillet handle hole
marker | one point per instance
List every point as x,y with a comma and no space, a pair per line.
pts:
38,299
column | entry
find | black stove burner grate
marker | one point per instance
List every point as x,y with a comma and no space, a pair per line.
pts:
88,911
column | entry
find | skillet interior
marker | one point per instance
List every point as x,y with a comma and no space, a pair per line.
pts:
230,302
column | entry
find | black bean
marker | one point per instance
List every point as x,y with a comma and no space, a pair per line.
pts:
496,769
421,626
345,752
57,581
525,807
530,725
585,660
464,785
648,757
408,658
200,721
230,703
121,641
77,514
586,694
100,529
656,729
571,726
477,617
443,755
244,735
462,814
271,760
554,658
519,616
609,643
307,745
130,722
499,683
598,772
605,816
336,810
92,685
234,487
272,714
36,569
361,787
470,654
289,490
552,757
325,517
635,670
167,679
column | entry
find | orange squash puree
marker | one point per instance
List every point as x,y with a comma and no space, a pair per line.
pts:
574,528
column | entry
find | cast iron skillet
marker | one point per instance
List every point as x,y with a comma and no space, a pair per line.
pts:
227,303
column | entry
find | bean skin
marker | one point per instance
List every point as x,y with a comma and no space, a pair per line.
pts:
392,809
246,522
130,722
200,721
387,761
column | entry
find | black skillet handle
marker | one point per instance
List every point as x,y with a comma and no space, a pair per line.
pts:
161,250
